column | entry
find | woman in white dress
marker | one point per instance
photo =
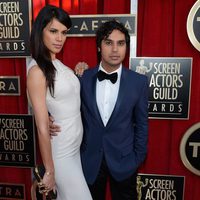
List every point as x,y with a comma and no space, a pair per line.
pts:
53,88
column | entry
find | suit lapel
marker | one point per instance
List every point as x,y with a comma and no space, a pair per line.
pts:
120,96
93,97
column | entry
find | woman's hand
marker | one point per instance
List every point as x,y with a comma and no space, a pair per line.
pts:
48,182
80,68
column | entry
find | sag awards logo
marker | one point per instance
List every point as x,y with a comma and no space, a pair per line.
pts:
193,23
169,81
17,140
190,149
142,68
14,28
162,187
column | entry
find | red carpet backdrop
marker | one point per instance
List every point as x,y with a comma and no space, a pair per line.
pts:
161,32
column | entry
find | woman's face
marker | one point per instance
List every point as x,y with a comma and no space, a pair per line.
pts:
54,36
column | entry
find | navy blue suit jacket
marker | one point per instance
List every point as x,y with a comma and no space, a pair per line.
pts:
123,140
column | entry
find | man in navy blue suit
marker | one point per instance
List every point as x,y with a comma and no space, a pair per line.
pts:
115,118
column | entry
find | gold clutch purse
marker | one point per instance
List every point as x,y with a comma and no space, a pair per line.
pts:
38,172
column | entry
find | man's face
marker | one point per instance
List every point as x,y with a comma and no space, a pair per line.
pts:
113,50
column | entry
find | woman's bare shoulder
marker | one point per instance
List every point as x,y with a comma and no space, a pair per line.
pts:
35,71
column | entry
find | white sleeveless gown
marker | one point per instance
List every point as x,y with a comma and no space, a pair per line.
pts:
65,108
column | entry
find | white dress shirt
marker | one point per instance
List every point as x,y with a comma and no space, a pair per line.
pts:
106,95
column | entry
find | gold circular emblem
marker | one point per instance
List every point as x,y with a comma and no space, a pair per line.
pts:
193,24
190,149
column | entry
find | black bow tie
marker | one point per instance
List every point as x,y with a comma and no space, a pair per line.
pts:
102,76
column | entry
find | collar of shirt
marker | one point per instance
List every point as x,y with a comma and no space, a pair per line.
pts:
106,95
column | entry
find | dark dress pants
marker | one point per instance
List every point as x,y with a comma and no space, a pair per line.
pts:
120,190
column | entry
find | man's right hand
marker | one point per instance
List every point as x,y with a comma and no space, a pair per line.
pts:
53,128
80,68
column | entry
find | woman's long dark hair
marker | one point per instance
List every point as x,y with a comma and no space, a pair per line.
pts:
39,51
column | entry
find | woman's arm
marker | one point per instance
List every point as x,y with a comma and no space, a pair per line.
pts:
36,86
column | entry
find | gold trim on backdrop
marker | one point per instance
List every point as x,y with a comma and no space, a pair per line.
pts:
190,24
182,149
